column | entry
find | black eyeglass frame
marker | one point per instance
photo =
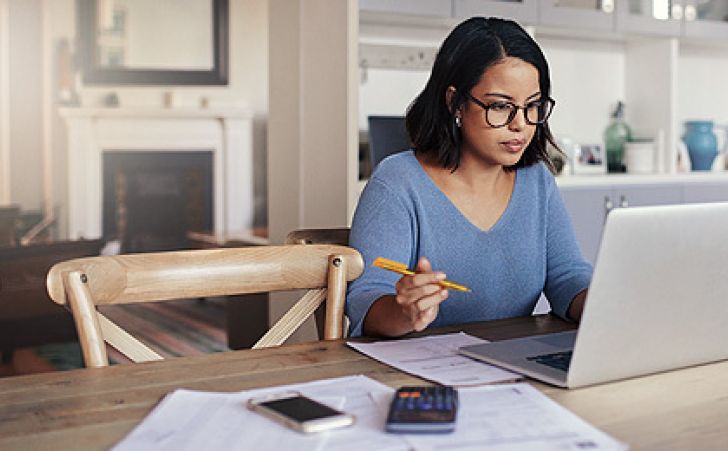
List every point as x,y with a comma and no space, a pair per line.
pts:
514,110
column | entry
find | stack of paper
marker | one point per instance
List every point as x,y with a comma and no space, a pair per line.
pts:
436,358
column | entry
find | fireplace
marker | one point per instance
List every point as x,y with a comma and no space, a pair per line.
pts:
96,136
152,200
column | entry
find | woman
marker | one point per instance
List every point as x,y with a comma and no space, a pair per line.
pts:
474,199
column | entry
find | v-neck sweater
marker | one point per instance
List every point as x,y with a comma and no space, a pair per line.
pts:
403,215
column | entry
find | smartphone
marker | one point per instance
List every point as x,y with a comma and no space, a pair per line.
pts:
299,412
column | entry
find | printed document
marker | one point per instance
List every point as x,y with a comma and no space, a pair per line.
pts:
193,420
436,358
514,417
497,417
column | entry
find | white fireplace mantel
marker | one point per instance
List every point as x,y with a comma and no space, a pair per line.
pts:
227,133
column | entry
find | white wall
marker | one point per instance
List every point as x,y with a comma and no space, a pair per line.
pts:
385,91
388,92
587,80
4,104
312,121
25,103
702,90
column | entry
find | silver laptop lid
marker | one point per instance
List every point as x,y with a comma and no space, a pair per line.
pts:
659,296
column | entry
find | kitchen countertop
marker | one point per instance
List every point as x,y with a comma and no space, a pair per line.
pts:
641,179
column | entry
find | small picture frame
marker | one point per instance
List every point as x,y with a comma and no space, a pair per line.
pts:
590,154
589,159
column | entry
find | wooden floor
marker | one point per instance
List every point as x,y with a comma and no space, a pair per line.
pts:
176,328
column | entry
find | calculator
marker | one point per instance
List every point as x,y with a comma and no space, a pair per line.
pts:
423,410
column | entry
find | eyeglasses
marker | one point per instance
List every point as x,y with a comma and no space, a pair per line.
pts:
500,114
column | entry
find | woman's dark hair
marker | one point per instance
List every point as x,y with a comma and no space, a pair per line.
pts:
471,48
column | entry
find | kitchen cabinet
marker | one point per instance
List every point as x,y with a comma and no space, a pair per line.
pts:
590,15
709,191
589,202
433,8
649,17
589,206
706,19
523,11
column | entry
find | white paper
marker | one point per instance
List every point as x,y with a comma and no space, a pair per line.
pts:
436,358
514,417
500,417
192,420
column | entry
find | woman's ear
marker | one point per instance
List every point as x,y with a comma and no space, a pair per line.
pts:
449,93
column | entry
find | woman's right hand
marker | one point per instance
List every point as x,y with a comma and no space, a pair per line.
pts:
419,295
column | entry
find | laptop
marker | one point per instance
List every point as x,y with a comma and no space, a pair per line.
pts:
658,301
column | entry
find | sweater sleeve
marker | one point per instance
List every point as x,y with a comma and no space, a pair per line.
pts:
567,272
383,226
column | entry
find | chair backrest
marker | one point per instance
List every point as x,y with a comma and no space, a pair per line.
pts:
339,236
85,283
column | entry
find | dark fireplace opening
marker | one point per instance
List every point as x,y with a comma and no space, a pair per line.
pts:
153,199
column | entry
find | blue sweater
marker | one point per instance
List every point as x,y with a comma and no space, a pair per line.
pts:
403,215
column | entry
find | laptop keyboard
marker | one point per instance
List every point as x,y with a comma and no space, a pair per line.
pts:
558,360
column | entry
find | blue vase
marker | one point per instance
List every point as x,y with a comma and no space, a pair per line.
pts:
702,144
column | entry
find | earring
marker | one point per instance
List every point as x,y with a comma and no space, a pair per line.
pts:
458,122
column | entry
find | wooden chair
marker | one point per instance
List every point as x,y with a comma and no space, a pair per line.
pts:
85,283
338,236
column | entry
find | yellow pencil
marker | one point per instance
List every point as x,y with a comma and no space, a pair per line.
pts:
401,268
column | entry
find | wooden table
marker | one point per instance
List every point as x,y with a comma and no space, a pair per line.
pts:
95,408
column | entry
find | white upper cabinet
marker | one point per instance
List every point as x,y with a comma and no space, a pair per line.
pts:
523,11
649,17
705,19
434,8
597,15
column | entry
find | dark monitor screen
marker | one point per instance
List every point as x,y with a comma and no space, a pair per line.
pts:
387,135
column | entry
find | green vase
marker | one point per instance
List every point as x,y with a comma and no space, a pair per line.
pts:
616,134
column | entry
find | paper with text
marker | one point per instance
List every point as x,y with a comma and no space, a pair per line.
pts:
192,420
436,358
513,417
498,417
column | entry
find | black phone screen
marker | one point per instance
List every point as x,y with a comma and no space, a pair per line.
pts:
300,408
